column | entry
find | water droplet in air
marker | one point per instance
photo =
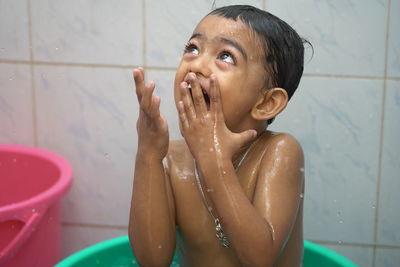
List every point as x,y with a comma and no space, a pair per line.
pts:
334,201
56,48
211,149
340,241
14,160
33,210
159,246
11,78
301,195
373,206
301,169
341,221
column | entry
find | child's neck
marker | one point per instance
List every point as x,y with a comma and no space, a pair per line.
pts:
241,154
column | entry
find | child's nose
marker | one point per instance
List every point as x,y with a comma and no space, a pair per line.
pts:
201,65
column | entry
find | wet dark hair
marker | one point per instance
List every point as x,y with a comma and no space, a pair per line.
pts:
284,48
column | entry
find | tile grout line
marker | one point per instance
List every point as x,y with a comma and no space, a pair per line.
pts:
157,68
379,171
32,73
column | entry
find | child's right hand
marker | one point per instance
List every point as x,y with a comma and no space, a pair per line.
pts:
152,128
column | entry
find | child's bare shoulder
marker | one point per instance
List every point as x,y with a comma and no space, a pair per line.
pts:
283,144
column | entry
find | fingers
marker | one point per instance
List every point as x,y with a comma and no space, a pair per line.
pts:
197,93
149,103
187,101
215,97
184,124
138,76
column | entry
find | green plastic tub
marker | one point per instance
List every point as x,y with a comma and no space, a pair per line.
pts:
117,252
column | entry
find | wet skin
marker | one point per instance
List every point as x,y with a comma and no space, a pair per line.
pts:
222,116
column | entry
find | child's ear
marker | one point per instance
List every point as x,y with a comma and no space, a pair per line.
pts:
270,104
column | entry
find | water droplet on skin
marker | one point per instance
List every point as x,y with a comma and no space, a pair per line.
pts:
301,195
211,149
223,172
210,190
210,209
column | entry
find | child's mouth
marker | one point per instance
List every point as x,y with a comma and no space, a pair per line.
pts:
205,96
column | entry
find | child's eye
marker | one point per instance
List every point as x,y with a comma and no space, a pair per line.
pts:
191,48
227,57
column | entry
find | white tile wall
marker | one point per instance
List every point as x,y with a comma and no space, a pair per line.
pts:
14,32
393,66
16,120
387,257
362,256
348,36
88,31
389,215
86,107
89,116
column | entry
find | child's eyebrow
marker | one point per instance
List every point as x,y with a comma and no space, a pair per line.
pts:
223,40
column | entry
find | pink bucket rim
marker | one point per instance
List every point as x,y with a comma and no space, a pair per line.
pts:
55,192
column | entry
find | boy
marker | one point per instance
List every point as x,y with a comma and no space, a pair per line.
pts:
233,189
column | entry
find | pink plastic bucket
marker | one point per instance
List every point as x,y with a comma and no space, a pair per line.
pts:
32,182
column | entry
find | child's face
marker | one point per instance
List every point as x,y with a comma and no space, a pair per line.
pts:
234,53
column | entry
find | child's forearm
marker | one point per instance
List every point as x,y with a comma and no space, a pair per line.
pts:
248,232
152,224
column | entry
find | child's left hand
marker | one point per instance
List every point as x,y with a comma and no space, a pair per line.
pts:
205,131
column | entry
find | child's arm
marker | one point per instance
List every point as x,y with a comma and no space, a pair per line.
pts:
256,231
152,219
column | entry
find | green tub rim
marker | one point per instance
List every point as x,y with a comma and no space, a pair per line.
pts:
105,245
